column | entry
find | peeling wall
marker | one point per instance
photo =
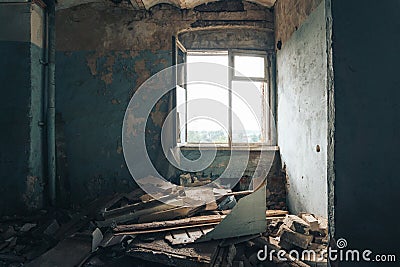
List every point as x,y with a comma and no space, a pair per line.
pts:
302,111
103,56
21,78
270,166
292,14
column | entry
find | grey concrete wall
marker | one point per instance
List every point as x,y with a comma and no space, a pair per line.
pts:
302,113
21,155
366,93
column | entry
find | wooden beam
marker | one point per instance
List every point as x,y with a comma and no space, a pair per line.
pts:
171,223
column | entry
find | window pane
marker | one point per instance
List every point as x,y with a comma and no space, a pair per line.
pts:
210,103
181,113
247,109
249,66
208,98
206,131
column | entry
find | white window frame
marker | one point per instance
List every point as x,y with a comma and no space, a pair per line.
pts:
267,139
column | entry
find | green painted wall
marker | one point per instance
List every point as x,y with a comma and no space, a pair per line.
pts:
103,56
21,79
92,110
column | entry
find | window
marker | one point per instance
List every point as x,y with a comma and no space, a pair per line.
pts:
223,97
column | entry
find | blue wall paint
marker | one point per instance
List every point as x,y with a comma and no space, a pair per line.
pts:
35,184
21,155
14,152
93,92
21,79
103,56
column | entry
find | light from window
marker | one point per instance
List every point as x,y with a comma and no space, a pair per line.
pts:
249,66
237,102
247,103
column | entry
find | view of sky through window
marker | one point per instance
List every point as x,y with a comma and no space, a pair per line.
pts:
247,100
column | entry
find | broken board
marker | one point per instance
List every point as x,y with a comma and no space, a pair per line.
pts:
186,236
191,255
246,218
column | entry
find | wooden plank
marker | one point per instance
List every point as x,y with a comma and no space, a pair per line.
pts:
171,223
146,203
240,193
203,196
276,213
179,237
186,222
187,236
194,254
126,209
132,216
165,214
166,258
164,229
117,197
147,200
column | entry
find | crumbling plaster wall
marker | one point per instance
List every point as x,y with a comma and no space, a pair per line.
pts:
21,78
290,15
302,102
103,56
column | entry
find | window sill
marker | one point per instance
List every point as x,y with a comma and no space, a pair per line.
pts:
226,147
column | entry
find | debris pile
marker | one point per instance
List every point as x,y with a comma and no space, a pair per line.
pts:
305,236
191,226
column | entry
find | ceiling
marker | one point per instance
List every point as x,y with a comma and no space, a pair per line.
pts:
147,4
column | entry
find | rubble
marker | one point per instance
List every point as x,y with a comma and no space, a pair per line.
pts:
136,225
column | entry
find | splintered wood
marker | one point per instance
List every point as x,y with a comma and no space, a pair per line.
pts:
187,236
165,231
145,208
170,224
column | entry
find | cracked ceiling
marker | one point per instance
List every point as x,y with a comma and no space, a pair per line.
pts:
147,4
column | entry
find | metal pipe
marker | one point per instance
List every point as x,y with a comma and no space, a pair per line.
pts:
51,137
44,62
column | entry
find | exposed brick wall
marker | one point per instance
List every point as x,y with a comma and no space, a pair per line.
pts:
289,15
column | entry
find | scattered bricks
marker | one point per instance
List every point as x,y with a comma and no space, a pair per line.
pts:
285,245
321,239
318,234
291,237
317,247
311,220
296,224
322,225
